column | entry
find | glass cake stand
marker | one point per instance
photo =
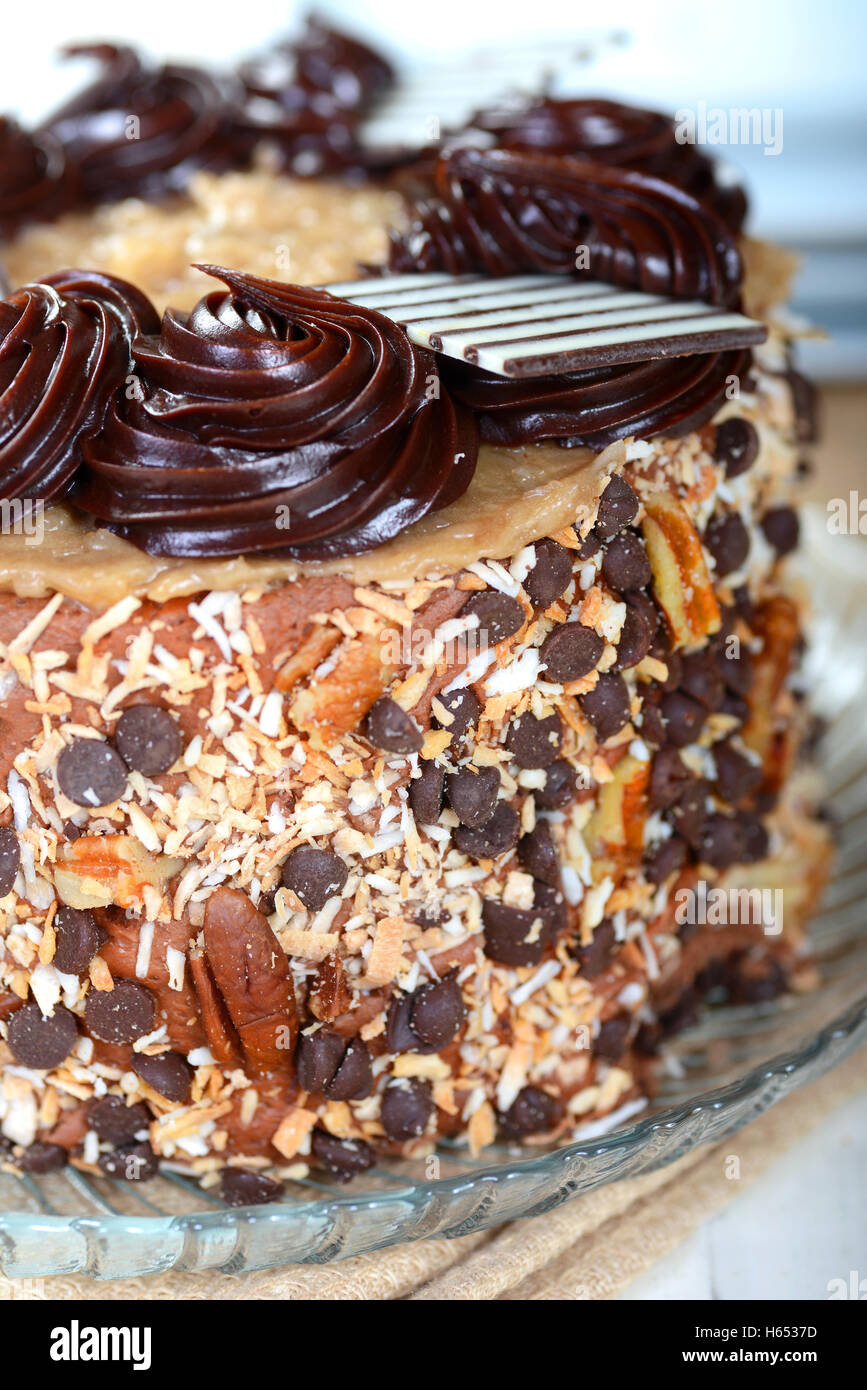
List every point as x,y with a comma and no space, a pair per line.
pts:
725,1072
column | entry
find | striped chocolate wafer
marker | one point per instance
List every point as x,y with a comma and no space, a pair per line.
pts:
539,325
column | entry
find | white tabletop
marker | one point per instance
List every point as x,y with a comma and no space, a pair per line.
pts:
800,1226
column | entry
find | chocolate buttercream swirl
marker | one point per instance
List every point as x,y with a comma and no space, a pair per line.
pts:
593,408
611,133
64,348
140,130
306,97
276,418
36,179
502,212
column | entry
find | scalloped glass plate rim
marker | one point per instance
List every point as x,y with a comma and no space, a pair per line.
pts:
850,1029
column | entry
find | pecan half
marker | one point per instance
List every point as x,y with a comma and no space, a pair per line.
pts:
250,974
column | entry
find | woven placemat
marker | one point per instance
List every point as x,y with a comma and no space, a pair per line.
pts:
591,1248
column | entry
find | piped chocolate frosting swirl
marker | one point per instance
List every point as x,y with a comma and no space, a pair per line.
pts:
64,348
609,132
503,212
275,418
36,179
306,98
139,129
593,408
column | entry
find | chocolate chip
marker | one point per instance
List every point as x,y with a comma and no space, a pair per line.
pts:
78,937
684,718
610,1041
437,1012
755,840
561,785
618,506
496,837
722,841
596,955
514,935
550,575
651,722
736,446
728,541
635,638
343,1158
606,705
463,706
782,529
499,615
536,854
169,1074
668,778
736,775
473,795
406,1109
120,1015
736,670
314,875
426,792
148,739
625,564
689,812
91,773
570,651
114,1121
239,1187
130,1163
667,858
535,742
353,1079
735,707
701,679
752,981
400,1036
43,1158
38,1041
317,1059
390,728
589,546
533,1111
10,858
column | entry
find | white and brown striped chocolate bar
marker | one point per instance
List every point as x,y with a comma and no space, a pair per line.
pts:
541,325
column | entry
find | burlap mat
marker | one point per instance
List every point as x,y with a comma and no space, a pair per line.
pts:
591,1248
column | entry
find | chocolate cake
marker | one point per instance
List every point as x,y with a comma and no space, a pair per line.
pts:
372,723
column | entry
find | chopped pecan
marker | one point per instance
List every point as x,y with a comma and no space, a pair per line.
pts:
776,621
313,650
106,870
330,996
680,577
617,825
330,708
251,973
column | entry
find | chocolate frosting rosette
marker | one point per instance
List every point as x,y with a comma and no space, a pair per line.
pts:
593,408
36,180
64,348
502,212
275,417
628,137
183,120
